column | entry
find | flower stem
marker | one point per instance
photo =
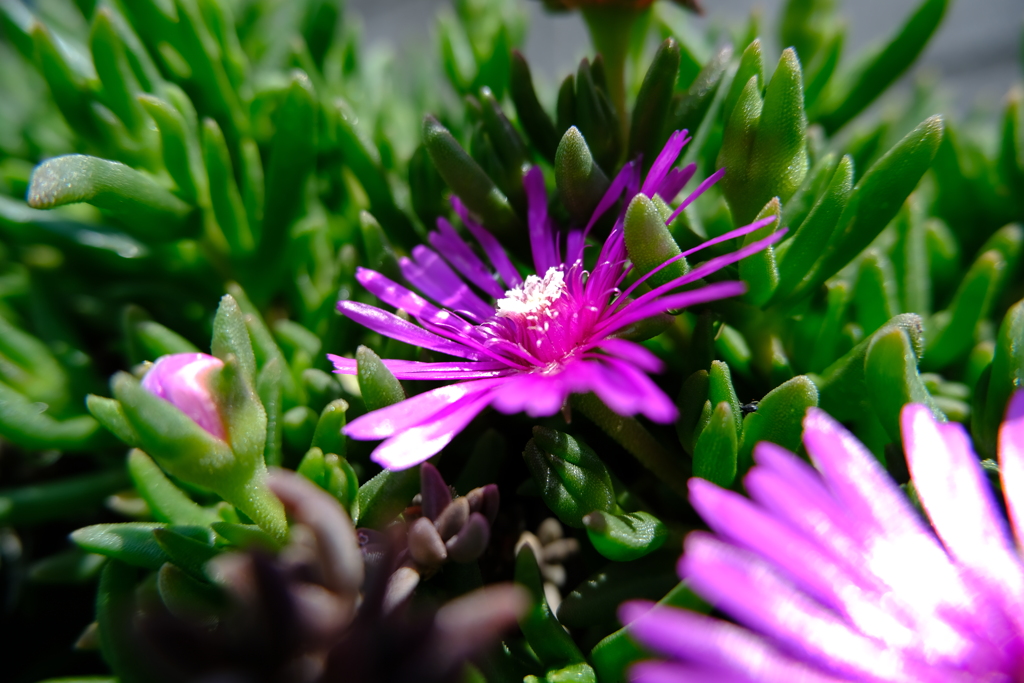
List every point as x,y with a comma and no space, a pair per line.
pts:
635,438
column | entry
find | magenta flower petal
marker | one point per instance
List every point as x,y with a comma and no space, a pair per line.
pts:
741,584
745,524
732,234
628,391
663,162
182,380
542,239
712,646
549,335
1011,462
390,324
832,572
707,268
398,296
536,395
860,484
793,493
961,507
654,305
415,444
708,182
686,279
432,276
495,253
386,422
455,250
675,181
411,369
627,176
636,354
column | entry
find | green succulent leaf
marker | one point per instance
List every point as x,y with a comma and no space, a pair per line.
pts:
625,537
716,450
534,120
553,646
778,418
572,479
142,207
855,91
467,180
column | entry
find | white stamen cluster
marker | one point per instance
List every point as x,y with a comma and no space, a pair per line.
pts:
533,296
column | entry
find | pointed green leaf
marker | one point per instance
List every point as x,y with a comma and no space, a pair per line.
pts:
877,198
130,542
1005,377
842,386
69,88
230,337
120,87
720,389
875,297
268,389
553,646
328,435
781,149
579,178
25,423
246,536
109,413
879,72
778,418
625,537
467,180
714,454
692,397
952,331
738,142
292,159
759,270
377,384
180,149
62,499
572,479
380,256
534,120
751,66
187,552
692,108
167,501
650,244
383,497
225,198
647,128
363,158
804,248
143,208
892,380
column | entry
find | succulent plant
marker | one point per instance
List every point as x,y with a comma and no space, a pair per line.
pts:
188,189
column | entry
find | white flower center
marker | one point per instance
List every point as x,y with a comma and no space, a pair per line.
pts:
533,296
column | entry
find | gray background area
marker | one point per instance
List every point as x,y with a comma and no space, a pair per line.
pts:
976,52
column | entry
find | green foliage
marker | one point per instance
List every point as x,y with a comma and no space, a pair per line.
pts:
156,156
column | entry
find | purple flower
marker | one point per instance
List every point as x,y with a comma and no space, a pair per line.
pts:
532,341
835,577
181,379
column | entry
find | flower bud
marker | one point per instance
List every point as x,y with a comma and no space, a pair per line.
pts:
182,379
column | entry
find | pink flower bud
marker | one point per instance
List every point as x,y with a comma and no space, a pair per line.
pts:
181,379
